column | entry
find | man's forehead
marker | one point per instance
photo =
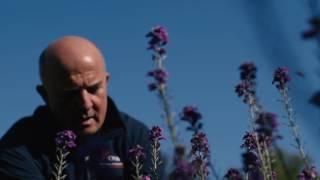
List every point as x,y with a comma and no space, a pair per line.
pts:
73,86
71,55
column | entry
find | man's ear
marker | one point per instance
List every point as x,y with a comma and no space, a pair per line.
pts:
42,92
107,77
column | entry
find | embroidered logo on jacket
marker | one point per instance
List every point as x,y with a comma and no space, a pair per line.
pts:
113,161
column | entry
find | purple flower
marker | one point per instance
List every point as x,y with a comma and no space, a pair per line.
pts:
233,174
145,177
250,161
200,165
152,86
308,174
267,120
281,77
159,37
159,75
200,144
184,170
156,134
137,152
267,127
244,89
249,141
248,71
65,139
190,114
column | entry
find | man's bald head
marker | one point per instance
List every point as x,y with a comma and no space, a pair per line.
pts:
74,84
64,53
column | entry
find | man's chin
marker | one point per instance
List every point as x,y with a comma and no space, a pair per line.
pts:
86,131
88,127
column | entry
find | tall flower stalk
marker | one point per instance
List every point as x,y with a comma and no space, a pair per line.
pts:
65,140
247,90
158,39
281,78
155,135
135,155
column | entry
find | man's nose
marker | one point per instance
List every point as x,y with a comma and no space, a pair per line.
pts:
85,100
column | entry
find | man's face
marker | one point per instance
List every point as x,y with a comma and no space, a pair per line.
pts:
77,95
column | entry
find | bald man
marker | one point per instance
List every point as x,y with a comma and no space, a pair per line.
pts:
74,88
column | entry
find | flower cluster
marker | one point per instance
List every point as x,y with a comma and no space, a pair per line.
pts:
156,134
145,177
183,170
160,76
308,174
249,141
233,174
200,144
246,88
158,37
248,71
137,152
191,115
281,77
135,155
267,125
251,161
201,153
65,139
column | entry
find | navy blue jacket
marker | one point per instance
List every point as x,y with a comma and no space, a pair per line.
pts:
27,150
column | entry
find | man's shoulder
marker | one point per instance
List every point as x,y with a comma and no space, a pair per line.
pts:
26,131
132,123
18,133
137,131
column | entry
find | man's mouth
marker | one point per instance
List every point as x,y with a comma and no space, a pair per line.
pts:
87,120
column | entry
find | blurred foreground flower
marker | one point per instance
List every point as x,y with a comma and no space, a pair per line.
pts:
233,174
145,178
183,170
65,140
200,151
155,135
136,154
191,115
308,174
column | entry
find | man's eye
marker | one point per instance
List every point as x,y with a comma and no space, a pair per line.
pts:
92,89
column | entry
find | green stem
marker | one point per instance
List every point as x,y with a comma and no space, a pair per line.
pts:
137,169
155,159
166,105
293,125
253,113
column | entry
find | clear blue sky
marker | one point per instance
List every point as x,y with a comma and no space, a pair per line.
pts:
209,39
